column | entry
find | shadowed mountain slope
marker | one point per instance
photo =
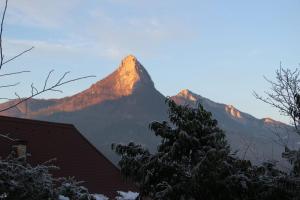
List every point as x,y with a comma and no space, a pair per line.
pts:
255,139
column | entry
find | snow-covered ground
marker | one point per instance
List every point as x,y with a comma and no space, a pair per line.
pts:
121,196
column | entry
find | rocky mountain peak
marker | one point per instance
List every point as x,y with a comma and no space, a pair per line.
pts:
124,81
131,75
187,94
129,61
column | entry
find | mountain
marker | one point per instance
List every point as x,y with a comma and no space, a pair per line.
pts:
120,107
130,78
255,139
115,109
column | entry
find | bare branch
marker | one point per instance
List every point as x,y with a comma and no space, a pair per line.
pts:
65,74
72,80
54,90
54,87
283,93
14,73
33,89
17,95
10,85
46,81
2,62
16,56
1,33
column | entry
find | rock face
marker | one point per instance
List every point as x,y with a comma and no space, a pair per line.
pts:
120,107
130,77
233,111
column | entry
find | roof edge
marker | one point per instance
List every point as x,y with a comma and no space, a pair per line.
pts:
35,121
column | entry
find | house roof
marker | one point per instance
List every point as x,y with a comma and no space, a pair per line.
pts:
74,155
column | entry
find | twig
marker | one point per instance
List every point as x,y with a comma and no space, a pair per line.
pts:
14,73
46,81
33,89
16,56
283,95
11,85
1,32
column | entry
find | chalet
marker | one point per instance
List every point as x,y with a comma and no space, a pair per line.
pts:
74,154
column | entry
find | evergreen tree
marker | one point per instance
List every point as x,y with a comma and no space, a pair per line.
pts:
194,161
191,160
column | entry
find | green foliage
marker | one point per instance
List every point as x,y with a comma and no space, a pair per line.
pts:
193,161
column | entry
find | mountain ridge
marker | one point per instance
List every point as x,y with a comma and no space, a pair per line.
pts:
230,109
129,77
119,108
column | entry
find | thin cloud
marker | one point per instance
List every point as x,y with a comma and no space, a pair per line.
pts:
56,47
45,14
115,36
95,30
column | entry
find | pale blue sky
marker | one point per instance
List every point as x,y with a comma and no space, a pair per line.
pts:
218,49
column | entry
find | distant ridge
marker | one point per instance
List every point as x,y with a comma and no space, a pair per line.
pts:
243,130
187,97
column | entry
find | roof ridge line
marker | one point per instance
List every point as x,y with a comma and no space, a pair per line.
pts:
36,121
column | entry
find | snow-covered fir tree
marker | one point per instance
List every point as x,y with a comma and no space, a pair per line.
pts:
21,180
194,162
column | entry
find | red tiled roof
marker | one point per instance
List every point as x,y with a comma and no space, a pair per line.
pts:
74,155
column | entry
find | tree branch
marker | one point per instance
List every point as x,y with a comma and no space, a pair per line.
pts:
10,85
1,33
16,56
54,87
282,95
14,73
